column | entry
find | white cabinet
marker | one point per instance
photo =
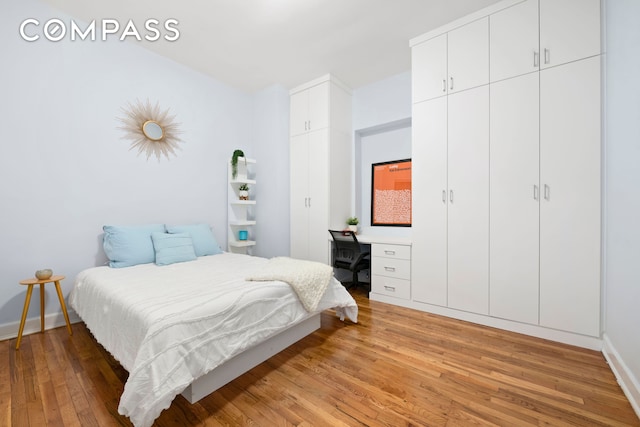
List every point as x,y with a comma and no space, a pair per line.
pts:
468,213
391,270
320,166
241,211
538,34
310,109
569,30
429,204
514,41
570,205
451,62
451,201
514,198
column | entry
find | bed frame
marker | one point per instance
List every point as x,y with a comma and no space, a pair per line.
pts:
249,359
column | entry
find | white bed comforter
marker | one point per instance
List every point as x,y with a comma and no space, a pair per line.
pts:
168,325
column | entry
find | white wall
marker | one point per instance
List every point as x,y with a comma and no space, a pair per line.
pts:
622,180
64,169
382,132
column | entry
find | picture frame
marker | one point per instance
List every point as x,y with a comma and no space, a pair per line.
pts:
391,193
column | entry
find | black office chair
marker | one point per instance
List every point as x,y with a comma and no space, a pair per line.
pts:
347,254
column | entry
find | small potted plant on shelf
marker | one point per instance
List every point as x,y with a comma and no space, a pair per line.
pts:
234,162
243,192
352,222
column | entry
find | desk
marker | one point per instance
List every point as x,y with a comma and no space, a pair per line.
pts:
390,265
27,301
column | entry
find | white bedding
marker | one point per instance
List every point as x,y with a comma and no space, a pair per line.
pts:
168,325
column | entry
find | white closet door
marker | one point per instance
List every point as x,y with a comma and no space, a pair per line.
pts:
429,177
570,207
429,69
468,56
318,169
514,199
569,30
299,193
319,106
514,41
468,231
299,112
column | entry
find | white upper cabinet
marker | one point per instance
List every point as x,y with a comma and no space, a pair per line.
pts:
514,46
451,62
569,30
309,109
468,56
429,69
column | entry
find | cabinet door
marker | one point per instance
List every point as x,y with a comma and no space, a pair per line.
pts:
299,195
429,204
514,199
318,170
299,113
570,207
569,30
468,56
514,41
429,69
318,106
468,228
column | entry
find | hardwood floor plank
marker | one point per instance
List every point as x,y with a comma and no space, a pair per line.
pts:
396,367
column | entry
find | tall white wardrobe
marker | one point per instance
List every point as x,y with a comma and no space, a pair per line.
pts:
320,165
506,168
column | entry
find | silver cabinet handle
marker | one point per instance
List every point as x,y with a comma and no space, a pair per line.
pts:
305,202
547,55
535,192
444,85
389,269
451,196
389,288
388,252
309,201
444,196
536,59
451,83
547,192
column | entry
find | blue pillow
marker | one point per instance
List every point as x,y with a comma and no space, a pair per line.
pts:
172,248
129,245
203,239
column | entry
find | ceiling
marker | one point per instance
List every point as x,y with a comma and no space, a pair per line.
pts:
252,44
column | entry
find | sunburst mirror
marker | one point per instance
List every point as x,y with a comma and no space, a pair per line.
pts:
151,130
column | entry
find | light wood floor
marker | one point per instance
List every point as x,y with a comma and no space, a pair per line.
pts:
396,367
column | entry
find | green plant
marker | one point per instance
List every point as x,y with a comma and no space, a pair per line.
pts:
352,220
234,162
243,187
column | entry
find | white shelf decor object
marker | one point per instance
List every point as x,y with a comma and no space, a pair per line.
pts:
241,213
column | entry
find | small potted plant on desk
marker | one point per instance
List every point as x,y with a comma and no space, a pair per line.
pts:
243,192
352,222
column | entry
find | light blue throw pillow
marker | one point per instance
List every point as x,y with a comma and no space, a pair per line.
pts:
203,239
172,248
129,245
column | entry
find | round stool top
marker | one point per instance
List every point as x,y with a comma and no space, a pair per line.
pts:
34,281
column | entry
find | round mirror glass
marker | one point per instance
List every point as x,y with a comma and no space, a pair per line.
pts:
152,130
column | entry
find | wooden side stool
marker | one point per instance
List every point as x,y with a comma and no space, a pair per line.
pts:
31,283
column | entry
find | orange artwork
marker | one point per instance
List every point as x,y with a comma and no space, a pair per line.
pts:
391,193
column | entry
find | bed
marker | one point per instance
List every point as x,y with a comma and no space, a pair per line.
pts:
191,327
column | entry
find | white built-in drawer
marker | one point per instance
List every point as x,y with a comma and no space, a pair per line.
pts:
391,286
391,251
389,267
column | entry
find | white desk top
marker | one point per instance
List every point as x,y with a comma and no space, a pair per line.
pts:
368,238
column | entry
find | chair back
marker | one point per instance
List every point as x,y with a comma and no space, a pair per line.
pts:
346,246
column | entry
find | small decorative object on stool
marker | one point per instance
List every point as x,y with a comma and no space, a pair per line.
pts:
44,274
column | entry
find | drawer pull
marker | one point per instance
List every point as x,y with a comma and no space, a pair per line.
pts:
390,269
390,288
388,252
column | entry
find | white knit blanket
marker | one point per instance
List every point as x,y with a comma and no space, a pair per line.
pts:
309,279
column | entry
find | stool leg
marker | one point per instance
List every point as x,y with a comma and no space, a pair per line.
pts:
41,307
64,307
27,300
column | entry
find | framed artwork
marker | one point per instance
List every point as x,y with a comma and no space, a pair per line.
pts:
391,193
